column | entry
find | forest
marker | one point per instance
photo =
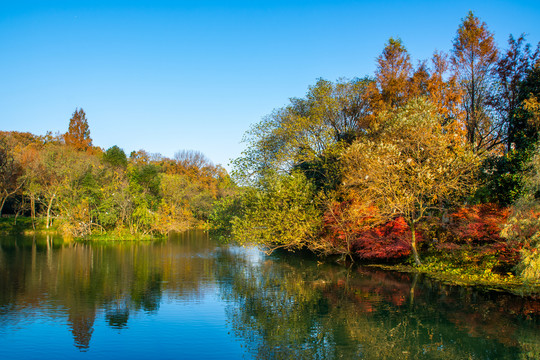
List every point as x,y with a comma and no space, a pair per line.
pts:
434,164
63,183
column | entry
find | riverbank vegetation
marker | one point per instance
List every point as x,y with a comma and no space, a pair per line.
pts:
430,164
63,182
434,165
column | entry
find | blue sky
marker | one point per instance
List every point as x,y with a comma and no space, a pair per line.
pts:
170,75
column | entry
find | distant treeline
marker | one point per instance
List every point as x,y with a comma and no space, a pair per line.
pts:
438,157
82,189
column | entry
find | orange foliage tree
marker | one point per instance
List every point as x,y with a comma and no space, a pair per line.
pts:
78,135
474,56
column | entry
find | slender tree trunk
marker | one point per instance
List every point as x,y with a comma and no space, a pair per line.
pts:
49,210
413,245
6,194
2,204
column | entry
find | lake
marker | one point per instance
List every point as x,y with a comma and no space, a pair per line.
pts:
191,297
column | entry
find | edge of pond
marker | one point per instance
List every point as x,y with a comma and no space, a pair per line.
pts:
510,285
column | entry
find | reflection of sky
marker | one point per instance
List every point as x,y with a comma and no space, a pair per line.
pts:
252,254
179,329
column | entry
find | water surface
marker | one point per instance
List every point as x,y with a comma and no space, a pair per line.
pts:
190,297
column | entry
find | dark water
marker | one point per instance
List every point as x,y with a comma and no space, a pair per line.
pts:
189,297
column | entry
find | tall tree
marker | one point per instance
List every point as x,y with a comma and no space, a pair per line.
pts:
413,166
10,173
511,71
305,133
474,56
78,135
443,89
392,76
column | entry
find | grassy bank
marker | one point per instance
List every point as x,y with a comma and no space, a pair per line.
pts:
23,225
473,275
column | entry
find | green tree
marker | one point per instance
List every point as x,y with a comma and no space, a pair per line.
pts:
503,174
115,157
511,72
304,134
11,171
523,225
282,213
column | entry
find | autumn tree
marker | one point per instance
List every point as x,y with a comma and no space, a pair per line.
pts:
397,81
411,167
175,213
191,159
11,171
78,135
306,133
392,76
443,91
474,56
511,71
61,172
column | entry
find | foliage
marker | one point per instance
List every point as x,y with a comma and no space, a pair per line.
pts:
410,166
301,134
115,157
78,135
352,229
281,214
94,192
478,224
224,211
523,224
342,221
474,56
385,242
11,171
501,177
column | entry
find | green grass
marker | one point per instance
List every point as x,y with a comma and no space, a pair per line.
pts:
465,270
121,236
23,225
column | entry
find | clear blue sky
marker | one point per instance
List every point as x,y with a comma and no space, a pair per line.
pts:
170,75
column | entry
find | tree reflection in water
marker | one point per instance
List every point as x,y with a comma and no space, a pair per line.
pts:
288,307
81,280
282,306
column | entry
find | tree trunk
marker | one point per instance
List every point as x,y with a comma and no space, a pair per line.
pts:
49,210
4,197
413,245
